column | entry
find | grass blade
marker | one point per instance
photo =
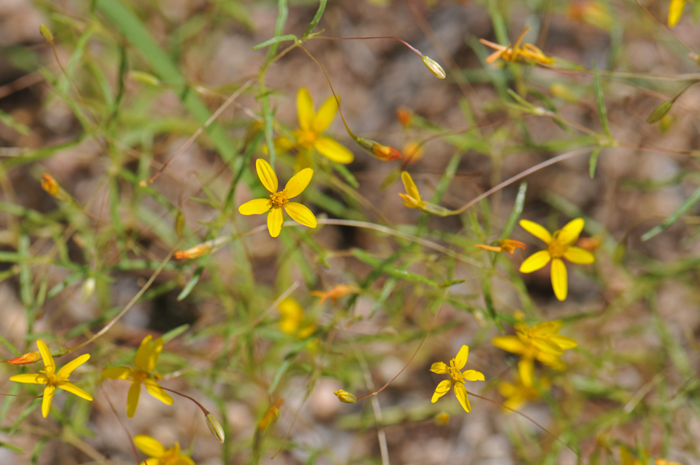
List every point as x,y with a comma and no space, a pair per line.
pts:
680,211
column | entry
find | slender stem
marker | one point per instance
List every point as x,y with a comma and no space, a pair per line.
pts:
415,50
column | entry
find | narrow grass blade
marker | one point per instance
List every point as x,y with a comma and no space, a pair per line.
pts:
593,162
517,211
668,222
274,40
317,18
602,112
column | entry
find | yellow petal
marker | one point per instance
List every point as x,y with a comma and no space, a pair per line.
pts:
473,375
410,186
132,400
439,368
275,219
298,183
564,342
154,354
184,460
116,373
569,233
526,370
66,370
535,261
536,230
675,10
301,214
461,358
550,360
579,256
282,144
325,115
152,461
255,207
267,175
158,392
441,389
461,394
141,358
46,357
333,150
305,108
547,327
509,343
149,446
73,389
30,378
507,389
547,346
46,401
559,282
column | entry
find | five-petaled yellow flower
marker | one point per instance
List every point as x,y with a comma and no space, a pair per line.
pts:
311,125
540,342
278,200
145,362
559,245
158,454
52,379
457,378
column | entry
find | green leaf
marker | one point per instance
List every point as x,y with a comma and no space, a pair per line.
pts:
275,40
593,161
317,18
517,211
602,112
12,123
680,211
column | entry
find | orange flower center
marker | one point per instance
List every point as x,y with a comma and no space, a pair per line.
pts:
556,248
305,138
279,199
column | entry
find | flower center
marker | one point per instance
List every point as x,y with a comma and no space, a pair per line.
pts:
52,379
305,138
171,456
139,376
556,249
278,199
455,374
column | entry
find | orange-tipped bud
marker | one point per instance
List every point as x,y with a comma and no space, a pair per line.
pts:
590,243
25,359
412,151
194,252
49,184
345,396
271,416
385,152
405,116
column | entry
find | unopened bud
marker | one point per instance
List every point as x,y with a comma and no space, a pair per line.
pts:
385,152
442,419
215,427
345,397
194,252
49,184
660,111
88,289
32,357
145,78
179,223
433,67
46,32
405,116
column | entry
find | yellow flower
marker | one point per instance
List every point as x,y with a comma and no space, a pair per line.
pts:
540,342
675,10
518,393
52,379
277,200
457,378
145,362
292,317
514,53
412,197
158,454
559,244
505,245
311,125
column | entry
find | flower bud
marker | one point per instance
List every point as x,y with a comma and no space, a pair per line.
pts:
345,397
385,152
145,78
88,289
433,67
215,427
194,252
404,115
32,357
49,184
442,419
660,111
179,223
46,32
